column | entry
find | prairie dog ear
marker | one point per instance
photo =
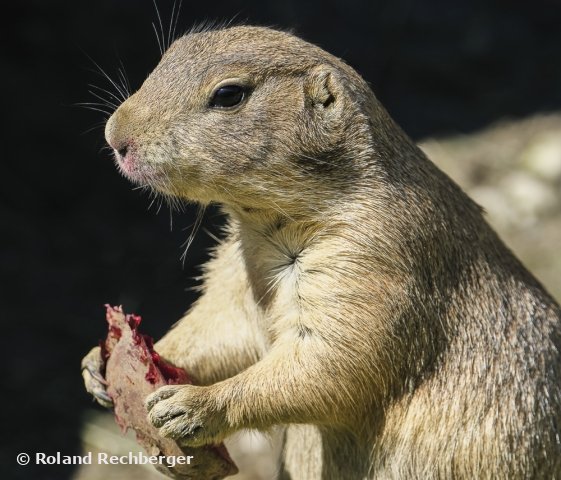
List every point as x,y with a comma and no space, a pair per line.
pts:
322,88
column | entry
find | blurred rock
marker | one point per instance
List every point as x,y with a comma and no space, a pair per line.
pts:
530,198
543,156
513,170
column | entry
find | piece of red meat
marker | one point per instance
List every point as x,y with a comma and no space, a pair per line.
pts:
133,370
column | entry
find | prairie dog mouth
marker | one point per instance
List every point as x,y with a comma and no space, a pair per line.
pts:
134,169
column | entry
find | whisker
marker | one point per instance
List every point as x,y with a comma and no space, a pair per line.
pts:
160,203
162,43
140,187
176,19
103,99
104,103
170,25
110,80
90,104
212,235
154,197
200,215
170,210
96,109
96,105
125,78
157,38
96,126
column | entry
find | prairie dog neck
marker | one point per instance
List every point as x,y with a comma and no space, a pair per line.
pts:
274,248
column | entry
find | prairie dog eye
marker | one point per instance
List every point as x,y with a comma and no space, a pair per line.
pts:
227,96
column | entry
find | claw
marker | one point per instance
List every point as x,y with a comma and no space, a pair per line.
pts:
95,383
95,374
162,394
101,395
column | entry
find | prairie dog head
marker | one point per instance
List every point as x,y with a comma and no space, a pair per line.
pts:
245,116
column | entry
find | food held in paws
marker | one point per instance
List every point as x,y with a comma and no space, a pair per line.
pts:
133,371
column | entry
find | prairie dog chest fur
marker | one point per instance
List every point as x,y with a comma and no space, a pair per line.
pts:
279,258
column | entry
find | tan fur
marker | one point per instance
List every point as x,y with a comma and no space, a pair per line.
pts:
359,296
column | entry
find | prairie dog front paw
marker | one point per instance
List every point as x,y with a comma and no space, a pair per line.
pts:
92,373
187,414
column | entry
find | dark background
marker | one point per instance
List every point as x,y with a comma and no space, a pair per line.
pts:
75,235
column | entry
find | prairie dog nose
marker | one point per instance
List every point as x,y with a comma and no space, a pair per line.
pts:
118,133
110,131
122,151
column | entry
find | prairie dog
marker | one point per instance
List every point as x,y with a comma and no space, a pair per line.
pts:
359,297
